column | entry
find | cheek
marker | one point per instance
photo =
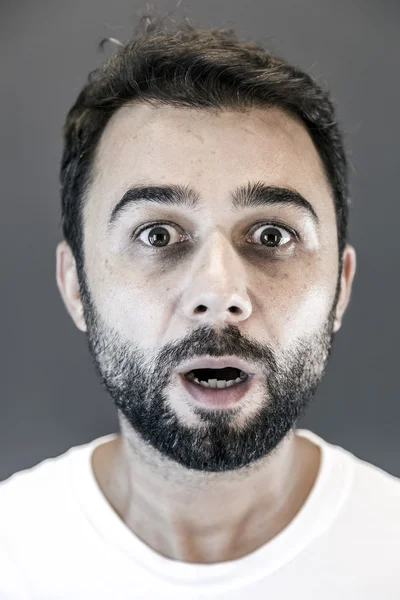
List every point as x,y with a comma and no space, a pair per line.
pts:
309,310
134,303
298,316
296,303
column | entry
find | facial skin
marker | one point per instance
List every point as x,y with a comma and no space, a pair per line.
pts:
139,306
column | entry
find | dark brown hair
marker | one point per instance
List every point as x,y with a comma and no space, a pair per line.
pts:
207,69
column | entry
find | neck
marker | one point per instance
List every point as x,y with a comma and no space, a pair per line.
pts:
202,517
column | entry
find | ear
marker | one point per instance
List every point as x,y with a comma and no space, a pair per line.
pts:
68,284
346,282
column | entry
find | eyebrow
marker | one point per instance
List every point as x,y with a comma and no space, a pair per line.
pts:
252,195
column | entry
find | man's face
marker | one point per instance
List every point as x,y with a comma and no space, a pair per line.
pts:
141,297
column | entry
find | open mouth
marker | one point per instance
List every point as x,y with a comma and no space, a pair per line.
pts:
217,378
217,388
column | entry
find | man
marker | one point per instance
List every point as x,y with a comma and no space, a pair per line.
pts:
205,256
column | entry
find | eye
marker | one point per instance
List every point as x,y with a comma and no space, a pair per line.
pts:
274,236
157,235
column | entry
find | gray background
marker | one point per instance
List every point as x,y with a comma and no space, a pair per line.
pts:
51,398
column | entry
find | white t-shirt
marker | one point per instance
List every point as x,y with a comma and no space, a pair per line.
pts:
61,539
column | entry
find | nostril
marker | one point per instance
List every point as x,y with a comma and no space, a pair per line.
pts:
201,308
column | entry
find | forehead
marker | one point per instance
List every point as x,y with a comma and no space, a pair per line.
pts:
213,152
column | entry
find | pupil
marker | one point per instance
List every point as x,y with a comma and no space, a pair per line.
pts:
158,237
270,238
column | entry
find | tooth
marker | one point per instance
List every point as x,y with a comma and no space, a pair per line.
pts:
230,383
220,383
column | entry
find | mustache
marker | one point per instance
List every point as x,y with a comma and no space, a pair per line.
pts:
206,340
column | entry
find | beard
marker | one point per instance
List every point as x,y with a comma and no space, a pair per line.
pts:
137,389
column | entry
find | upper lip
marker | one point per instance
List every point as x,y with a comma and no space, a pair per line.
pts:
222,362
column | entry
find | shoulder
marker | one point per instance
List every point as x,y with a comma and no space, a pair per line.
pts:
371,505
25,493
374,484
33,497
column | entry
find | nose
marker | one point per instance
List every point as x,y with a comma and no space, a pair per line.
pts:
221,308
217,285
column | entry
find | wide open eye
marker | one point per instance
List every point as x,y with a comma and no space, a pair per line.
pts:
274,236
158,235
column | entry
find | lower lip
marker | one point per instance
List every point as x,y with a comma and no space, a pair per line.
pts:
217,398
